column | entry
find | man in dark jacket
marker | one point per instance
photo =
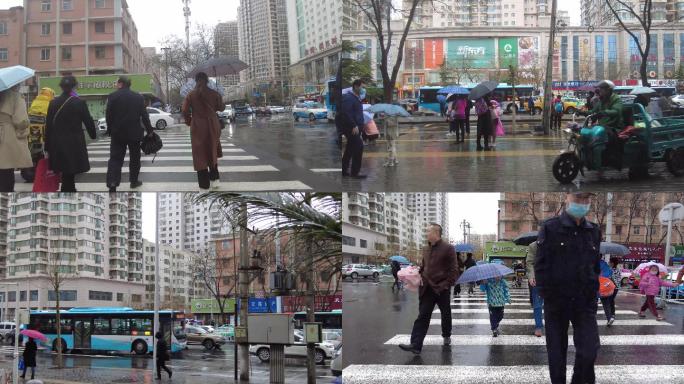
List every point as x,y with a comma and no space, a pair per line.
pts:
30,358
351,124
395,273
566,271
126,117
439,271
162,355
469,263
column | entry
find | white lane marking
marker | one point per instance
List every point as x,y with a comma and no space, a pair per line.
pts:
167,144
506,310
181,150
513,374
326,170
531,322
485,299
162,157
148,186
190,169
534,340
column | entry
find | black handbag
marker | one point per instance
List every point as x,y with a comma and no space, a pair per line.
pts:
152,144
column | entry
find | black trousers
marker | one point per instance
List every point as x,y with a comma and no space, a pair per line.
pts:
7,180
426,304
467,122
556,120
609,305
484,128
558,313
460,129
117,154
496,314
457,289
161,364
68,183
353,153
205,177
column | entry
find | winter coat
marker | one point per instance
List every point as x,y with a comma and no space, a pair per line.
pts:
162,350
199,112
64,139
439,268
14,130
650,284
30,353
127,116
497,292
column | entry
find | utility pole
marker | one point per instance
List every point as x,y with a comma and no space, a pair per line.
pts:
546,118
466,230
310,315
157,282
243,348
515,103
187,14
166,61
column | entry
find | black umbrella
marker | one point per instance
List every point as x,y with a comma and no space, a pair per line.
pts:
526,238
220,66
482,89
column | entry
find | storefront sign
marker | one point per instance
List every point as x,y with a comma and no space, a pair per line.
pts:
508,52
434,53
321,303
645,252
471,53
504,249
211,306
102,85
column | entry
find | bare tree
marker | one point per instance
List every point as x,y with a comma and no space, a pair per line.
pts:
642,13
599,208
586,68
635,209
217,274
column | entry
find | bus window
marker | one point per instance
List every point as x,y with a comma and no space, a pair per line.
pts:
101,326
141,326
120,327
428,95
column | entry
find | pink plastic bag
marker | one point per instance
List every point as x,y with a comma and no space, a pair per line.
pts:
411,278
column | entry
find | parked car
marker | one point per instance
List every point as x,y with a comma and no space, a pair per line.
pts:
228,113
678,99
263,111
197,335
159,118
6,327
336,363
311,111
244,110
331,336
359,270
276,109
208,328
324,350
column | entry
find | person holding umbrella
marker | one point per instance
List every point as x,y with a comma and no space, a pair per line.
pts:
439,271
395,270
497,296
469,263
30,357
484,122
650,286
351,123
14,131
566,271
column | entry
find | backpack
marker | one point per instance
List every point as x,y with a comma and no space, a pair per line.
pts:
559,107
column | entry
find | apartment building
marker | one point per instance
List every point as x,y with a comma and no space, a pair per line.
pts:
11,37
597,13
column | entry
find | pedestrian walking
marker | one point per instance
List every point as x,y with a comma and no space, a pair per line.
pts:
461,118
469,263
351,123
484,122
469,107
530,105
650,286
557,113
497,296
199,112
566,270
457,287
162,355
439,271
521,101
65,143
14,131
497,125
395,270
451,118
30,357
609,302
127,121
535,299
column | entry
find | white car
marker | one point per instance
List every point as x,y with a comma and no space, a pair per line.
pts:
310,111
336,364
324,350
678,99
208,328
158,118
228,113
359,270
276,109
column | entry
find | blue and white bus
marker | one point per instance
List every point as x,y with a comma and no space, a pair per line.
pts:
330,97
108,329
330,320
427,98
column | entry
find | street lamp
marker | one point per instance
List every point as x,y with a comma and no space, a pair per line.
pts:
15,352
546,117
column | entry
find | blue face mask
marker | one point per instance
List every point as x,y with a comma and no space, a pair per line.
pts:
362,95
578,210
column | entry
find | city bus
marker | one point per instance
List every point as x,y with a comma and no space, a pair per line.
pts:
504,95
115,329
660,90
331,320
330,97
427,98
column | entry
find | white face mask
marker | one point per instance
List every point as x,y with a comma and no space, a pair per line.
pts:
654,272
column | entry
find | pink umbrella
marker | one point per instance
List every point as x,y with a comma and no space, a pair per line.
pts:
410,276
644,267
33,334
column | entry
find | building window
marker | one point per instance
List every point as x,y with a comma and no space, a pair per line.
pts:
66,53
100,27
3,28
363,243
45,54
4,56
33,296
63,296
22,296
618,229
45,29
67,5
119,297
67,28
100,4
99,295
99,52
599,56
46,5
346,240
637,230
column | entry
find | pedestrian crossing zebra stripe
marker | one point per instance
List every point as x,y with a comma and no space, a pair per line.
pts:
191,169
483,304
483,298
326,170
509,374
466,340
242,186
162,158
505,321
507,310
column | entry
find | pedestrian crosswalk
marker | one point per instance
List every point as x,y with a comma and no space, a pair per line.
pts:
172,169
628,336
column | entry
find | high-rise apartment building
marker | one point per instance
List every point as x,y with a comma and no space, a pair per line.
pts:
264,46
480,13
188,226
597,13
11,37
81,37
93,239
429,207
4,217
226,43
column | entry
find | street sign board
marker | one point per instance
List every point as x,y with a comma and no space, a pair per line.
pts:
313,332
103,84
672,211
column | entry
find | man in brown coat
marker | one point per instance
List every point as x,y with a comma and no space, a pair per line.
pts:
439,271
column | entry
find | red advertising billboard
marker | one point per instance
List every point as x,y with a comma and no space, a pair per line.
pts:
321,303
645,252
434,53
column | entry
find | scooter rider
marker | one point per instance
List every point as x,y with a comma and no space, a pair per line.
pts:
607,113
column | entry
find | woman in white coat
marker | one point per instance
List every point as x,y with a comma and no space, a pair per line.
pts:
14,130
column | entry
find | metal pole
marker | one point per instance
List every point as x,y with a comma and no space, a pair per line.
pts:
609,218
157,283
166,59
668,242
243,348
16,337
546,119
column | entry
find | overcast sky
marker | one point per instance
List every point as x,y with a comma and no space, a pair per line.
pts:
480,209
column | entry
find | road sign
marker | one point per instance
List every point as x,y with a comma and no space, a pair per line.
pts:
672,211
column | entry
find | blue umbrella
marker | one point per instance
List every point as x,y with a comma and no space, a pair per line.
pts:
11,76
400,259
483,272
606,271
613,249
464,247
455,89
389,109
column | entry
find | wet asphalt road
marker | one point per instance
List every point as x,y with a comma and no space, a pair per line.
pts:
383,319
193,366
430,161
